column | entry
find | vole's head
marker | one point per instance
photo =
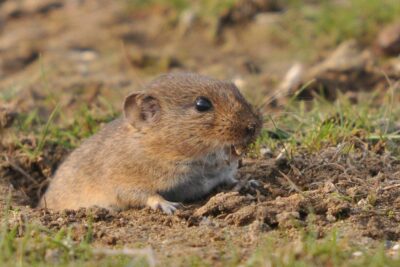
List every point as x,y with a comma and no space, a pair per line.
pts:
186,116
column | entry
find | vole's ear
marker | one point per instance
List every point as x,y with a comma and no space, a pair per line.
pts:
141,109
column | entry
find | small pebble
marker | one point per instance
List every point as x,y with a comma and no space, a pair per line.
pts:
266,152
331,218
357,253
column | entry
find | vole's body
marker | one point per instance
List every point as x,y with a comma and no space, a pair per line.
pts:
110,170
161,150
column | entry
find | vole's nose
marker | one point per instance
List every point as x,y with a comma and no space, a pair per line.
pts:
251,129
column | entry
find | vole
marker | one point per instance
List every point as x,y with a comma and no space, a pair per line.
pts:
177,140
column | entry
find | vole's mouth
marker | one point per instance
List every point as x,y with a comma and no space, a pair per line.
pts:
238,150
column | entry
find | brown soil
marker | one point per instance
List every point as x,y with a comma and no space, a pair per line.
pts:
89,51
357,190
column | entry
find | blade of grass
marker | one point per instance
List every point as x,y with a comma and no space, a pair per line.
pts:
45,131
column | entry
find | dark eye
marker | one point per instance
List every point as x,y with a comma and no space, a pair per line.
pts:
203,104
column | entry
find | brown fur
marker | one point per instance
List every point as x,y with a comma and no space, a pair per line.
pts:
161,149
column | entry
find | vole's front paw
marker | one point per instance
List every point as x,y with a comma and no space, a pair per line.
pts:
231,181
157,202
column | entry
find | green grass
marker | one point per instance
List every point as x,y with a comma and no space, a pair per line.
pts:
27,244
177,5
310,251
335,21
57,129
304,27
318,123
214,7
34,245
307,28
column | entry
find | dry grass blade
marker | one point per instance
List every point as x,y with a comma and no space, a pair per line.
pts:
292,184
391,187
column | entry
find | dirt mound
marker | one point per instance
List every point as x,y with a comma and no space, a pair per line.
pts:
358,189
332,185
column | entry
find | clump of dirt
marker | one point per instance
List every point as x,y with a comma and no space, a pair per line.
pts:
223,203
7,117
23,57
245,10
388,40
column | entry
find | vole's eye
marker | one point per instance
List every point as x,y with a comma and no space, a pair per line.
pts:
203,104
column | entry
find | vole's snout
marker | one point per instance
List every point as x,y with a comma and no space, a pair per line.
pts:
251,129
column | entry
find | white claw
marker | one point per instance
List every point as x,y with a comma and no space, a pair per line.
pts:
231,181
159,203
169,207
